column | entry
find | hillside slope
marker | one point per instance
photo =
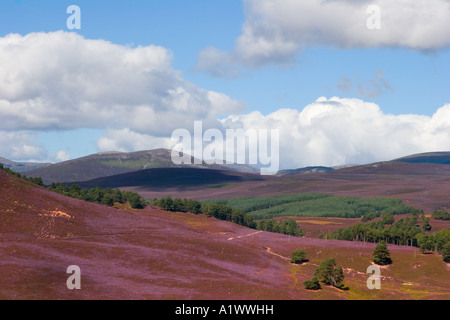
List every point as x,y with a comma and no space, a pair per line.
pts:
171,178
113,163
424,186
430,157
151,254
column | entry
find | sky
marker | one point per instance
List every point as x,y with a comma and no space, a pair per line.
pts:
344,81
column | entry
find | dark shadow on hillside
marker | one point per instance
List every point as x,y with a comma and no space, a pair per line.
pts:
170,178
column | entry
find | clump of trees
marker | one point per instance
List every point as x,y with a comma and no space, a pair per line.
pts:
106,197
299,256
381,254
327,273
441,215
313,284
426,226
218,211
178,205
402,232
288,227
368,217
227,213
436,242
445,251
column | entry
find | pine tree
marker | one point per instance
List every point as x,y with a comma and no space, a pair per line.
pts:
312,284
425,223
446,252
381,254
299,256
329,274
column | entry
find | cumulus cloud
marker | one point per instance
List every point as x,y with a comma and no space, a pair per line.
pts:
276,30
62,155
20,145
125,140
62,81
339,131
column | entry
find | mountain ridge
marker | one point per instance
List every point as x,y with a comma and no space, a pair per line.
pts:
22,167
106,164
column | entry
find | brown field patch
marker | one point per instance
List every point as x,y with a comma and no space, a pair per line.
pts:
320,222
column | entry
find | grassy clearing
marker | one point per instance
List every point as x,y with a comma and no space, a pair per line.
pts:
130,164
315,205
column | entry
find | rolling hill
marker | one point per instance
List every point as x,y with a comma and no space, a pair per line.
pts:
423,181
430,157
422,185
306,170
114,163
22,167
152,254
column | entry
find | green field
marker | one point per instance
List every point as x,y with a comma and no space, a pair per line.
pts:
315,205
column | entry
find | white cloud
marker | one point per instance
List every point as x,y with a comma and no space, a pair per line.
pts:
219,63
20,145
338,131
276,30
62,155
125,140
62,81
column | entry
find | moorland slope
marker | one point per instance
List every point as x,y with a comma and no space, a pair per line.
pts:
152,254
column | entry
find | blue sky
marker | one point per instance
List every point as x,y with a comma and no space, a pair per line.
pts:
400,79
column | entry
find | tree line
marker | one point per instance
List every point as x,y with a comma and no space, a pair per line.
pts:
218,211
97,195
402,232
288,227
441,215
38,181
227,213
436,242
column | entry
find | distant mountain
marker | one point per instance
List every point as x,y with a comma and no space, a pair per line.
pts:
22,167
113,163
306,170
430,157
